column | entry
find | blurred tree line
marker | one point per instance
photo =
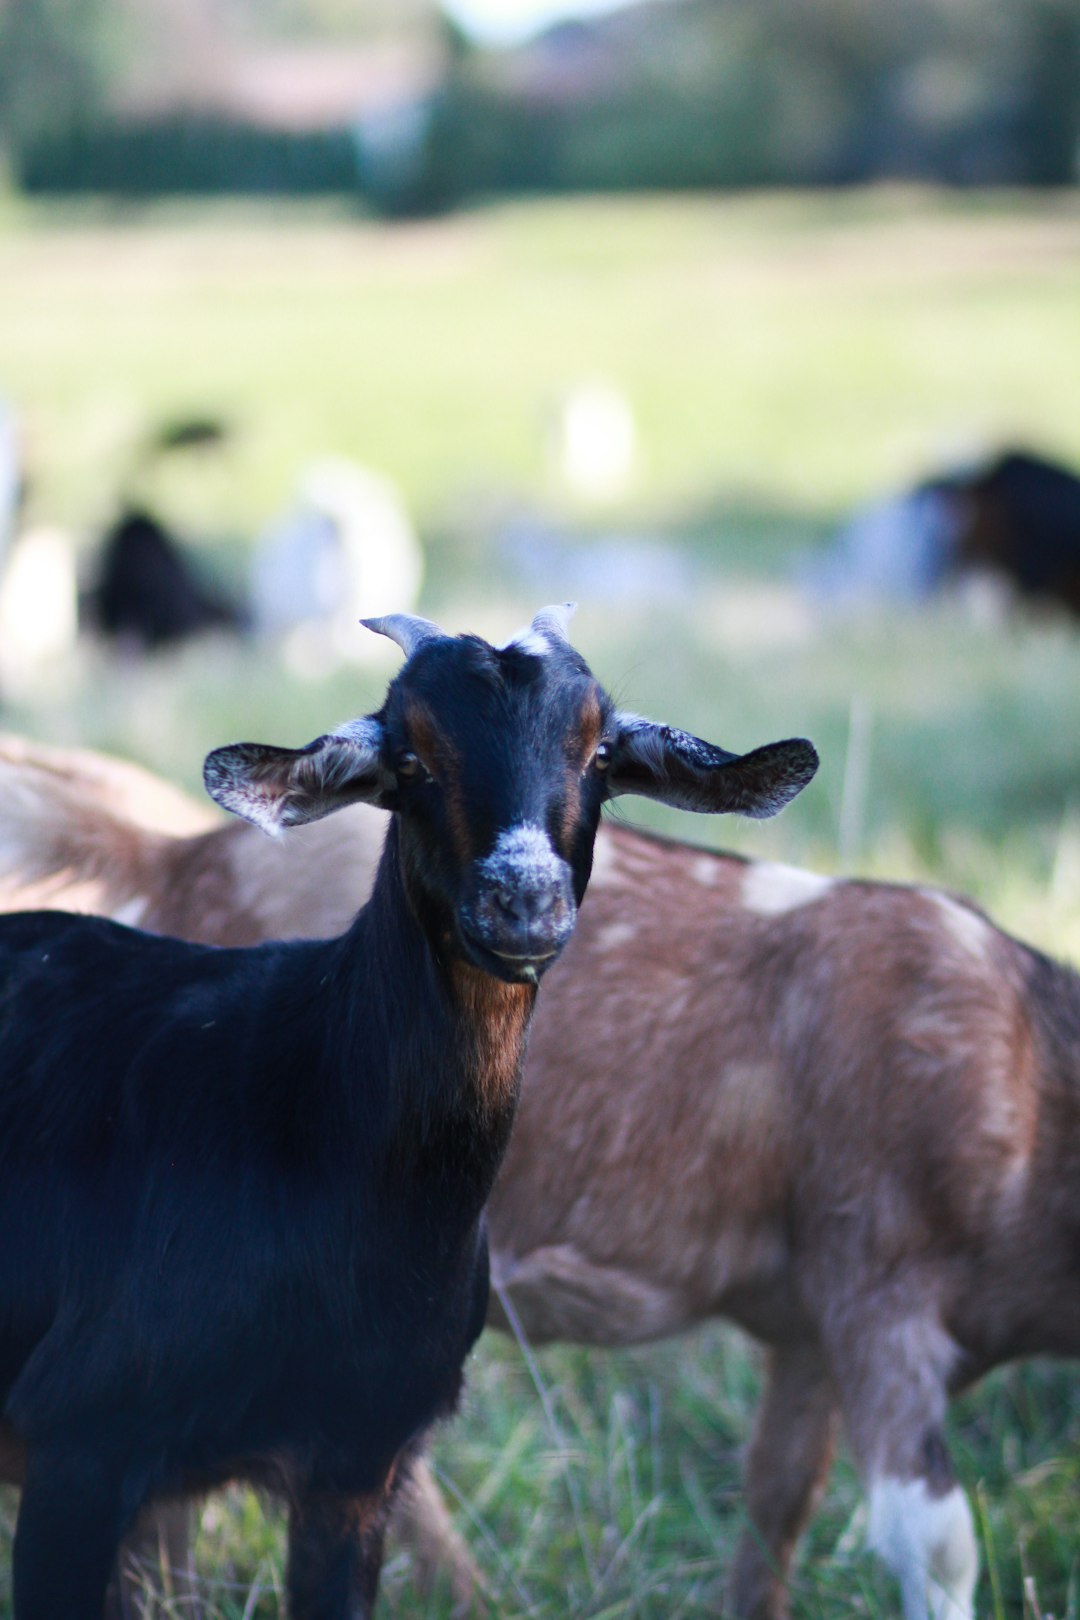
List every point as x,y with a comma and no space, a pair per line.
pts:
752,92
667,93
57,58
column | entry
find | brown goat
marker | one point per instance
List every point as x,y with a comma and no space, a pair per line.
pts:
841,1114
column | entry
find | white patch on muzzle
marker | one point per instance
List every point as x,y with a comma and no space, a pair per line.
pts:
524,855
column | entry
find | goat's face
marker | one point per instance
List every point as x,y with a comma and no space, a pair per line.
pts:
497,761
499,787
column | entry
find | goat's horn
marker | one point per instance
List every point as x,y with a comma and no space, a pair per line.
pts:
555,621
407,629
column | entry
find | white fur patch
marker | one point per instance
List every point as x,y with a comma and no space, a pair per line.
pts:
524,853
551,624
615,935
529,640
132,912
964,926
705,871
929,1544
770,888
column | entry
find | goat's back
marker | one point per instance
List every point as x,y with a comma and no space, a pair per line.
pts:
733,1052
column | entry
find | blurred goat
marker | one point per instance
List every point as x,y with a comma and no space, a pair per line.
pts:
149,591
346,547
1012,520
845,1115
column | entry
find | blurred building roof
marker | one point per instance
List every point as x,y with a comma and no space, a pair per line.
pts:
289,87
569,62
580,58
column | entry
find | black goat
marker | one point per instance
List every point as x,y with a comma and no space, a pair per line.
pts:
241,1191
151,592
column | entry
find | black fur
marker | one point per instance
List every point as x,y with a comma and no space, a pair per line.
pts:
241,1192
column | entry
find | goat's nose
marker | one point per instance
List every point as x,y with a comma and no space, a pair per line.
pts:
525,904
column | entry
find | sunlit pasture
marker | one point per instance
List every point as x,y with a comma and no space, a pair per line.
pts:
784,358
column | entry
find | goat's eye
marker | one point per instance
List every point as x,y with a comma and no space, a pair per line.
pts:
411,768
602,757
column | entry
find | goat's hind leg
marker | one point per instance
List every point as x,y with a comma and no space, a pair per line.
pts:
928,1541
786,1468
71,1517
893,1379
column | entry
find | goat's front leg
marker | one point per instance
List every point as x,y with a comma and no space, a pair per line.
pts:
71,1518
336,1553
786,1468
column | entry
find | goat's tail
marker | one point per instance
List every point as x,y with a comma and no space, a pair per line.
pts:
81,831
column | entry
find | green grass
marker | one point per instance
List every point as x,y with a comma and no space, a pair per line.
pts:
785,356
804,352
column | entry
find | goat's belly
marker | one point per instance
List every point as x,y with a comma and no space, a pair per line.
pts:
337,1426
332,1397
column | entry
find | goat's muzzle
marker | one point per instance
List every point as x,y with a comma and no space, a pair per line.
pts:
522,909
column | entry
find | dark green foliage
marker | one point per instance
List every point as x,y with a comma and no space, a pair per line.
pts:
718,92
56,58
187,154
665,94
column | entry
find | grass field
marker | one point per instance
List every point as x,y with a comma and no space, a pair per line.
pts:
785,358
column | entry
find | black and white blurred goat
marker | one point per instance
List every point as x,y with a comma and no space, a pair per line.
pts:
241,1191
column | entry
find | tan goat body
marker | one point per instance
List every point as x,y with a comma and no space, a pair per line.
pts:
840,1114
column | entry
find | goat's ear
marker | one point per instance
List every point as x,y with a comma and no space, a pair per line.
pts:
277,788
678,769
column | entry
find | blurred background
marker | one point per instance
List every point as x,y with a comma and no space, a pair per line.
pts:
752,325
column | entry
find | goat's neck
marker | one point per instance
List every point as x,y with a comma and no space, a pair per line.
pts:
456,1034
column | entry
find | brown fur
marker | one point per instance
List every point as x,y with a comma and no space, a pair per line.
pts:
591,727
429,747
786,1469
501,1014
847,1119
439,759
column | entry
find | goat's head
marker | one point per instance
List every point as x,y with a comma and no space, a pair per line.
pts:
497,761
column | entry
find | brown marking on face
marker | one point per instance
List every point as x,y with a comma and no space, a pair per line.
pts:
497,1016
441,760
424,739
590,730
571,809
591,723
